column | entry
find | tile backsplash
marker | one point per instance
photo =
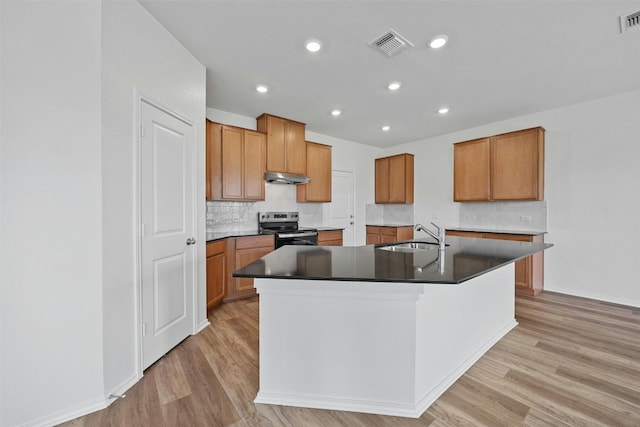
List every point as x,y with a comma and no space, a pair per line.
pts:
243,216
528,216
389,214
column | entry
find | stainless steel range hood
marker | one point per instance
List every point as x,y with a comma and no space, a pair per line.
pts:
286,178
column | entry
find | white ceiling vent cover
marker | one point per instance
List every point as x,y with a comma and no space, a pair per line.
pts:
390,43
629,21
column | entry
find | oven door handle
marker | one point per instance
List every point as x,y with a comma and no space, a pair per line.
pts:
294,235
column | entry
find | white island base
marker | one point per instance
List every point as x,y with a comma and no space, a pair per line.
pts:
376,347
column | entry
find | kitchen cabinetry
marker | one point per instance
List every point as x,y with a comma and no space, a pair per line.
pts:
529,277
236,162
240,252
384,234
330,238
509,166
286,151
394,179
319,171
216,272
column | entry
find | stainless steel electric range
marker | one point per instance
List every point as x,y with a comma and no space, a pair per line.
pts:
284,225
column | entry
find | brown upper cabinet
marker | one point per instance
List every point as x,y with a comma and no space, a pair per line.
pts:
236,160
319,171
286,150
509,166
394,179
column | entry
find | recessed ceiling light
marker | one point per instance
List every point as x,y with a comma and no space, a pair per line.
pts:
386,128
438,41
394,86
443,110
262,89
336,113
313,45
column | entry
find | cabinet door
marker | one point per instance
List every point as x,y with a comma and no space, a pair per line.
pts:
254,164
295,148
382,180
275,129
232,164
471,170
517,159
214,161
216,273
330,238
319,170
397,179
244,257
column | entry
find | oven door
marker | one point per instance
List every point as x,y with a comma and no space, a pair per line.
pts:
299,239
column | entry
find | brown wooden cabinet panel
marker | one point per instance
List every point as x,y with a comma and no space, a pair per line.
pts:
236,162
330,238
509,166
240,252
319,171
382,234
471,170
394,179
255,157
232,163
216,272
286,150
517,165
529,275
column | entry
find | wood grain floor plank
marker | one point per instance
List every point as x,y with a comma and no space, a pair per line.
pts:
570,362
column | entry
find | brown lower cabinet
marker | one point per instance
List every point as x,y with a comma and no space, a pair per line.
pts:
330,238
216,272
242,251
529,277
383,234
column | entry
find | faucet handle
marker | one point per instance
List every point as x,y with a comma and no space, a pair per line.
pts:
436,226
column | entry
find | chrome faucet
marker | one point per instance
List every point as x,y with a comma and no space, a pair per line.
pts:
439,237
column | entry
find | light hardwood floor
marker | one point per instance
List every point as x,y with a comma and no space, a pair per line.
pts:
571,361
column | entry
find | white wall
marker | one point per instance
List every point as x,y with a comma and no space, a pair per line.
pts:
138,54
591,181
69,74
51,210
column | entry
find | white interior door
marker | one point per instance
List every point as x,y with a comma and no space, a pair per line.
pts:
167,230
341,208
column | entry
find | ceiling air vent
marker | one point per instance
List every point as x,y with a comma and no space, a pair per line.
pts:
390,43
629,21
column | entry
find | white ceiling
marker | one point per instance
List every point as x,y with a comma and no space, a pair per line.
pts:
504,59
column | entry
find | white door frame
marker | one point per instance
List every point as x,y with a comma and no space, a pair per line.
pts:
327,208
137,123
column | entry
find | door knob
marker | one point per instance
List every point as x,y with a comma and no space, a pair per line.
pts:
191,241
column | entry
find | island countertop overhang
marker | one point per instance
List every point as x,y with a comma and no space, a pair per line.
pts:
463,259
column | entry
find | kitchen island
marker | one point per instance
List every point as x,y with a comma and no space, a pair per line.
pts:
371,330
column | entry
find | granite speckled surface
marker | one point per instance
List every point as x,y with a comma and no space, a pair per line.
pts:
463,259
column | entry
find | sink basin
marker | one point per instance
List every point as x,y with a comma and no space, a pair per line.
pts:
409,246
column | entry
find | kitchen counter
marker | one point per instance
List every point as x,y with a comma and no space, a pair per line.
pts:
226,234
388,224
368,330
464,258
497,231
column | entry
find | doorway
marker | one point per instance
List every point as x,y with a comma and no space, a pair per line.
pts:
167,229
342,207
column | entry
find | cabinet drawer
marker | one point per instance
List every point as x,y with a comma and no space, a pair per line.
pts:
373,230
329,235
515,237
216,247
254,242
388,231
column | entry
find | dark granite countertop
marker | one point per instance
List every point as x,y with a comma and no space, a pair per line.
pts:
388,225
226,234
497,230
327,228
464,258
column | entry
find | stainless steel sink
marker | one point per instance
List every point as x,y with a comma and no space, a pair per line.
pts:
409,246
